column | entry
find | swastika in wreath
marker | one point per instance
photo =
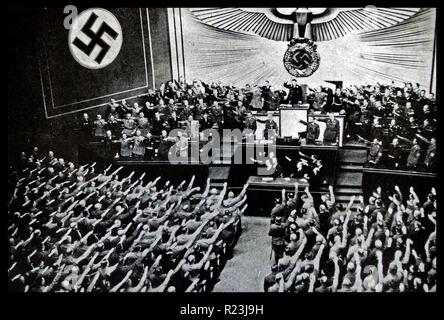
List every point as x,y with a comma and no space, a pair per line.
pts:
301,58
95,38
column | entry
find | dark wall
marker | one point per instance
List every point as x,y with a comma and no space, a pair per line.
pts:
161,45
28,29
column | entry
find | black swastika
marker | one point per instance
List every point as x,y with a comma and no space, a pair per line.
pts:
301,59
96,38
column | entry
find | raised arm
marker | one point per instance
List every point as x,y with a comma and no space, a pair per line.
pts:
427,245
220,198
345,229
86,253
317,260
423,138
204,259
297,254
141,282
408,248
238,198
121,283
56,279
369,239
207,189
307,192
336,274
164,284
404,139
380,268
332,194
85,272
413,193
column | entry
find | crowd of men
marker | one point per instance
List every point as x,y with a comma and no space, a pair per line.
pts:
142,129
397,123
385,244
75,229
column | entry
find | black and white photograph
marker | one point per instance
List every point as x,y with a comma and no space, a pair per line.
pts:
222,150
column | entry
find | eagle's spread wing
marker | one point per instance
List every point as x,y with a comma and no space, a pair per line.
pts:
338,22
327,24
261,21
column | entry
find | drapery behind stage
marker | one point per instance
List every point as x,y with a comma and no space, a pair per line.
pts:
403,52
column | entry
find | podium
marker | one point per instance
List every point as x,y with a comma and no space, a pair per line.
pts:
289,117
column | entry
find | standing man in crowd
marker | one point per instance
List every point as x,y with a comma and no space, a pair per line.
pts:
294,92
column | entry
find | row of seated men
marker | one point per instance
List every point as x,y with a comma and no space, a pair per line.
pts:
385,244
76,229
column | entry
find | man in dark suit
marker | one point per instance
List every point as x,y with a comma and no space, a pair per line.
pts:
271,127
331,133
158,124
205,122
295,92
277,233
313,131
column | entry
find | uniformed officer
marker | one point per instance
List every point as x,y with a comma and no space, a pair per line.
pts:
138,146
294,93
125,146
271,127
331,133
217,114
173,121
239,115
205,122
99,127
158,124
431,151
250,126
277,233
377,128
128,125
312,131
142,124
85,127
414,153
394,154
165,144
393,130
186,111
375,152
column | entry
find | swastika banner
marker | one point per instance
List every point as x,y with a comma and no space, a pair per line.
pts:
103,54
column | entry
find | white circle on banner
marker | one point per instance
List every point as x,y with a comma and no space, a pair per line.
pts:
95,38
